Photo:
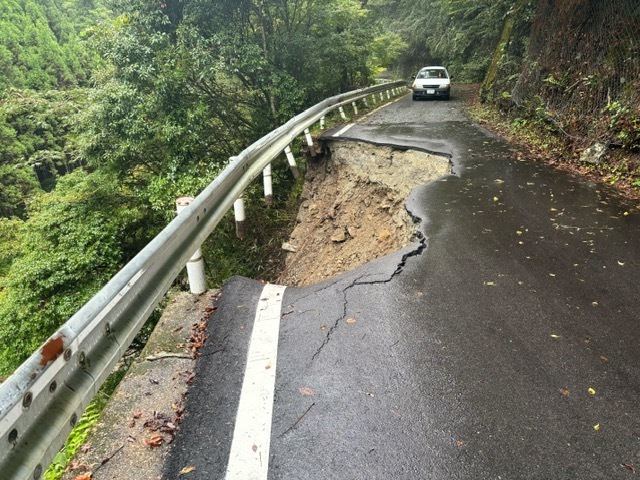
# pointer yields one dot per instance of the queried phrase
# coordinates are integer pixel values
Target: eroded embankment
(353, 208)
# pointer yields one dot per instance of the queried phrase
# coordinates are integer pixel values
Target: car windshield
(434, 73)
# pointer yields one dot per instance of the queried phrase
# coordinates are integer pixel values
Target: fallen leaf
(495, 199)
(603, 358)
(370, 394)
(154, 441)
(594, 304)
(553, 335)
(323, 327)
(596, 427)
(620, 263)
(518, 232)
(308, 391)
(254, 448)
(83, 476)
(186, 470)
(564, 392)
(137, 414)
(459, 443)
(592, 391)
(490, 284)
(351, 321)
(629, 466)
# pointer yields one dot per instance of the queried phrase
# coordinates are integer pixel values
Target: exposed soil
(353, 208)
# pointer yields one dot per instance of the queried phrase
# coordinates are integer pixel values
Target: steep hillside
(573, 71)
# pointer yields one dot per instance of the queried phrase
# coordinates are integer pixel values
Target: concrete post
(268, 185)
(195, 265)
(292, 161)
(322, 123)
(341, 110)
(373, 97)
(366, 104)
(241, 218)
(355, 108)
(381, 97)
(388, 96)
(307, 136)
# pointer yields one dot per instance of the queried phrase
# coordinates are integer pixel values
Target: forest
(111, 109)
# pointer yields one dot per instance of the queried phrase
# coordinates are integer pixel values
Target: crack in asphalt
(422, 245)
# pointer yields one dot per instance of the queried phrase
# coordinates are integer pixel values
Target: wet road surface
(504, 345)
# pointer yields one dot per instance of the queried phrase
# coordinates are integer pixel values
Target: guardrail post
(241, 218)
(341, 110)
(373, 97)
(366, 104)
(307, 136)
(268, 185)
(195, 265)
(388, 96)
(322, 123)
(355, 108)
(381, 97)
(292, 161)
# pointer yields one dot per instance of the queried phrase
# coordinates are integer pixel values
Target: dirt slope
(353, 208)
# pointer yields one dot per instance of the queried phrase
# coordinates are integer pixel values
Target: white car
(432, 82)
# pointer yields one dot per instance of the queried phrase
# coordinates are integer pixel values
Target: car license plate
(431, 92)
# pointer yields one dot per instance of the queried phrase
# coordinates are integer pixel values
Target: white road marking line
(343, 130)
(249, 456)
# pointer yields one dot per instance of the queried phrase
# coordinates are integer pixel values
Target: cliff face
(573, 64)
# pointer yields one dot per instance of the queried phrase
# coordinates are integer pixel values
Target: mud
(353, 209)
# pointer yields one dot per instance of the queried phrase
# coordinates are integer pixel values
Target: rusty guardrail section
(42, 401)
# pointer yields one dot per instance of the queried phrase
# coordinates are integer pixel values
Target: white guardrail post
(195, 265)
(293, 166)
(241, 217)
(44, 398)
(268, 185)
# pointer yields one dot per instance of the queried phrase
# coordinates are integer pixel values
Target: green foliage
(37, 133)
(40, 44)
(74, 240)
(17, 184)
(10, 244)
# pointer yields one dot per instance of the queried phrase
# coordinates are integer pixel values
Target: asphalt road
(505, 345)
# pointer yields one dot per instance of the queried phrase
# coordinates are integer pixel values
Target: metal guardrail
(42, 401)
